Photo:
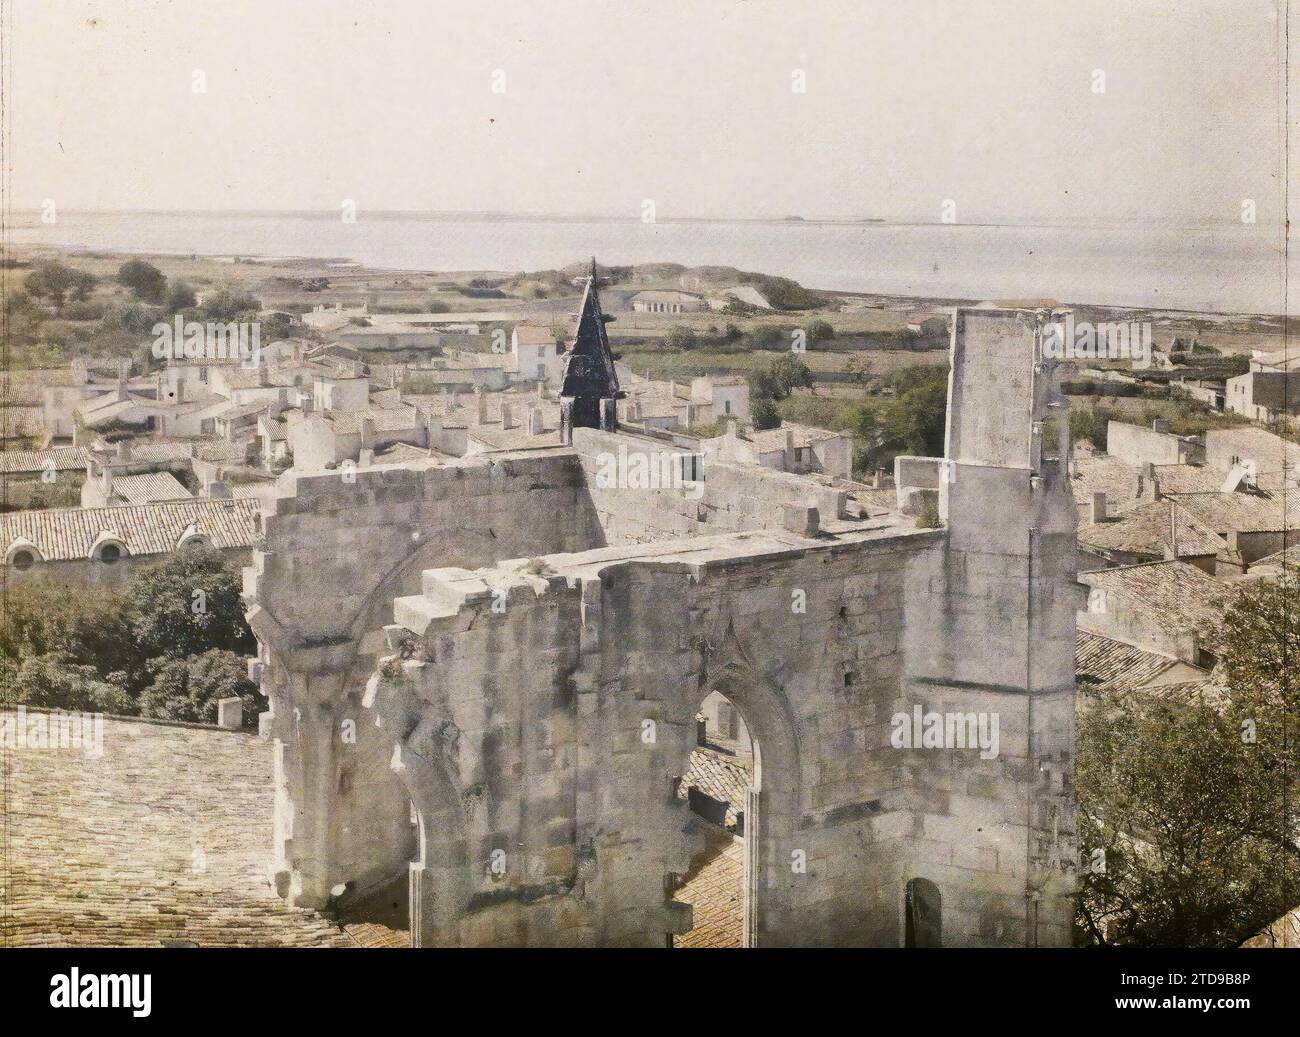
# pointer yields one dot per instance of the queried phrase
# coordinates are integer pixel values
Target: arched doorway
(720, 787)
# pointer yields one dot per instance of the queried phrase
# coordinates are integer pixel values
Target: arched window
(924, 915)
(23, 554)
(108, 548)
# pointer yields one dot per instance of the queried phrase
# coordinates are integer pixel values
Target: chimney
(507, 416)
(482, 405)
(535, 422)
(123, 450)
(789, 449)
(875, 479)
(541, 390)
(1097, 509)
(367, 432)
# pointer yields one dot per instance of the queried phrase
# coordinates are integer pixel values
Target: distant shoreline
(438, 216)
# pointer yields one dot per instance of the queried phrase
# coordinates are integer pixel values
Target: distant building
(928, 324)
(791, 448)
(102, 545)
(667, 302)
(1264, 395)
(1138, 445)
(538, 354)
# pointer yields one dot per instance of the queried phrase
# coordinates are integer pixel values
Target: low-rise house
(1137, 445)
(107, 490)
(667, 302)
(928, 325)
(1170, 608)
(538, 354)
(323, 440)
(1253, 525)
(791, 448)
(102, 545)
(1153, 531)
(41, 478)
(1270, 461)
(1210, 392)
(273, 441)
(668, 405)
(1103, 661)
(1268, 392)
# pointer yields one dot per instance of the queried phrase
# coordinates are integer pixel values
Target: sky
(584, 107)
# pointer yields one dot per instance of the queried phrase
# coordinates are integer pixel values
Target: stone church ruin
(485, 674)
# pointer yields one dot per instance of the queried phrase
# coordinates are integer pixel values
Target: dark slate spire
(589, 375)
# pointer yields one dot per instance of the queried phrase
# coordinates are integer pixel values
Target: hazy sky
(990, 103)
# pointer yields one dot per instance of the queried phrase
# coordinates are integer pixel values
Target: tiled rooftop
(149, 488)
(1101, 660)
(62, 534)
(163, 837)
(1178, 595)
(62, 459)
(1152, 528)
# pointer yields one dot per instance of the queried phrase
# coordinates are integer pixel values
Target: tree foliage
(189, 689)
(188, 603)
(1191, 799)
(143, 649)
(144, 279)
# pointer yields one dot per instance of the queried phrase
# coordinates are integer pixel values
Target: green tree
(189, 689)
(86, 625)
(58, 682)
(1192, 799)
(225, 305)
(144, 279)
(820, 331)
(764, 414)
(767, 337)
(53, 282)
(780, 378)
(180, 296)
(188, 603)
(913, 421)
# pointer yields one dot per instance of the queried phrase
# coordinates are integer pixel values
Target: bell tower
(590, 385)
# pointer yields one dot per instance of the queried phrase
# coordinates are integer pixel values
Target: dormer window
(108, 548)
(23, 554)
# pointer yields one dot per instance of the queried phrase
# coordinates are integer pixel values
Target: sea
(1228, 268)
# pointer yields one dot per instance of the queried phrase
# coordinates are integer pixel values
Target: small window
(726, 406)
(691, 467)
(110, 554)
(24, 560)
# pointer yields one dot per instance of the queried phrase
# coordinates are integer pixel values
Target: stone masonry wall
(335, 554)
